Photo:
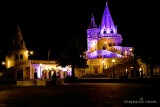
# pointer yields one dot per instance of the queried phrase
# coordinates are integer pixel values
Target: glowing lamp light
(3, 63)
(130, 49)
(31, 52)
(126, 71)
(113, 60)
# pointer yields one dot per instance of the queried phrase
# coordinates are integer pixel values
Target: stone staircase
(120, 69)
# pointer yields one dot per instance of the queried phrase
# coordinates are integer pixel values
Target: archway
(44, 74)
(27, 73)
(96, 69)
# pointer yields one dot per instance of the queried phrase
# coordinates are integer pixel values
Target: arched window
(110, 44)
(112, 31)
(21, 56)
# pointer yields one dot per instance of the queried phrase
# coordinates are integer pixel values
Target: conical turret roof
(18, 42)
(92, 23)
(107, 23)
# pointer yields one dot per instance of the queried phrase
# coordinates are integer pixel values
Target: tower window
(111, 31)
(21, 56)
(110, 44)
(104, 47)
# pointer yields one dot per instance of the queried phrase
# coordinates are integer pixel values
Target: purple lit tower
(104, 44)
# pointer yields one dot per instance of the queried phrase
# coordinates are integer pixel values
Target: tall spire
(19, 42)
(107, 23)
(19, 34)
(92, 23)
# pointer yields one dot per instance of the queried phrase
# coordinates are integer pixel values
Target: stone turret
(18, 52)
(92, 35)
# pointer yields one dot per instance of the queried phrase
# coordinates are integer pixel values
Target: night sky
(50, 25)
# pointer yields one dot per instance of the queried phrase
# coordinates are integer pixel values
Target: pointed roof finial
(19, 35)
(92, 23)
(106, 3)
(18, 28)
(19, 42)
(92, 15)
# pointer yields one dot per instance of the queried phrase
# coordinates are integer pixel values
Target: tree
(73, 55)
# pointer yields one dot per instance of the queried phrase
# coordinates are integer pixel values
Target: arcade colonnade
(43, 69)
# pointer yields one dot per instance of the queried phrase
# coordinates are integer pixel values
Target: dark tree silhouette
(73, 55)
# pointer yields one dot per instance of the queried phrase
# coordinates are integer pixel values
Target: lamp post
(113, 61)
(130, 50)
(31, 54)
(103, 64)
(30, 58)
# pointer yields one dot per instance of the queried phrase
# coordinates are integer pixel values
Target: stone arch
(96, 67)
(27, 72)
(44, 74)
(51, 72)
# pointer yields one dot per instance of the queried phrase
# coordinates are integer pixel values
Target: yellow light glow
(8, 64)
(130, 49)
(3, 63)
(113, 60)
(31, 52)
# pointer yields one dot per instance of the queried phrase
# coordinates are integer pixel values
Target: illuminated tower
(18, 52)
(92, 33)
(104, 42)
(104, 45)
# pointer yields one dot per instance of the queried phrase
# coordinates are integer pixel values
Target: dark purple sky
(49, 25)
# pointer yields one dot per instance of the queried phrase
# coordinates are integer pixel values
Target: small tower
(92, 35)
(18, 52)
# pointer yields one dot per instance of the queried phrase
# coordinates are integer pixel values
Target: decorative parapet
(110, 35)
(43, 62)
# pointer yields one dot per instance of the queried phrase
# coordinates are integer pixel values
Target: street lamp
(130, 50)
(3, 63)
(31, 52)
(113, 61)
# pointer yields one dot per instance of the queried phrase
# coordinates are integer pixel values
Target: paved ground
(81, 95)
